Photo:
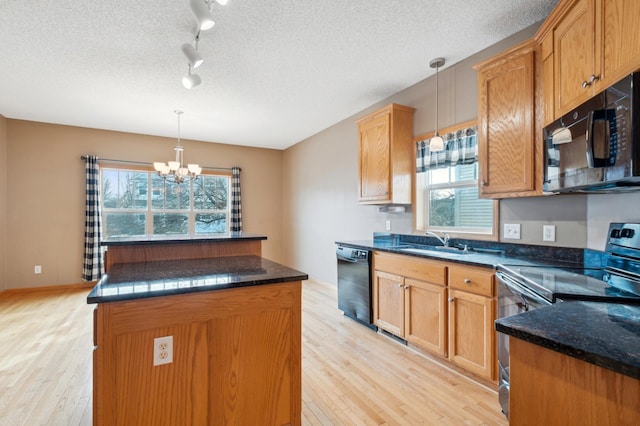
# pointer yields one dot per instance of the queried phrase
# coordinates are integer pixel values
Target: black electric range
(573, 283)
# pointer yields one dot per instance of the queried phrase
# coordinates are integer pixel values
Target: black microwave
(596, 146)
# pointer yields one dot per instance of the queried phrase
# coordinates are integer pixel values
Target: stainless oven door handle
(517, 288)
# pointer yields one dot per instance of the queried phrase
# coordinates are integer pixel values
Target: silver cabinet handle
(588, 83)
(451, 299)
(483, 183)
(467, 281)
(400, 285)
(406, 287)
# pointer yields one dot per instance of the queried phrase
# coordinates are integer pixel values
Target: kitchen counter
(480, 253)
(604, 334)
(595, 331)
(129, 281)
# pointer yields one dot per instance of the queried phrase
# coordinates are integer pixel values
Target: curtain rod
(84, 157)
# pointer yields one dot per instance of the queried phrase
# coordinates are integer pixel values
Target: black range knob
(626, 233)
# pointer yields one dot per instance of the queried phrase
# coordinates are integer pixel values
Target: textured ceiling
(275, 72)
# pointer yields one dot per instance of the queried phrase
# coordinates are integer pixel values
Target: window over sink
(139, 202)
(447, 187)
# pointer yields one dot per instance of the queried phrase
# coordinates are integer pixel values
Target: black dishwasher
(354, 284)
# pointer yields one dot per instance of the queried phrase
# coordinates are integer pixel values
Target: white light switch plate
(549, 233)
(512, 231)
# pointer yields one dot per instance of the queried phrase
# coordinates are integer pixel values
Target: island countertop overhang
(140, 280)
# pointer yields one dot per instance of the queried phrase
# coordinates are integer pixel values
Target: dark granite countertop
(127, 281)
(604, 334)
(480, 253)
(597, 331)
(173, 239)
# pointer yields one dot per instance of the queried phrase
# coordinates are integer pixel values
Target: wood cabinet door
(426, 315)
(506, 135)
(620, 39)
(374, 159)
(576, 59)
(388, 302)
(471, 334)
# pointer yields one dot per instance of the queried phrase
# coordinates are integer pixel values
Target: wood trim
(554, 17)
(13, 291)
(384, 111)
(507, 55)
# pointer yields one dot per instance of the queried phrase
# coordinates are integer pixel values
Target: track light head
(190, 81)
(201, 11)
(193, 57)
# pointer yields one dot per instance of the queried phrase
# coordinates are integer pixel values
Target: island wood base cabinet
(550, 388)
(236, 358)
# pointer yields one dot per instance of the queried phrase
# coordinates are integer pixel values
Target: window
(193, 207)
(447, 187)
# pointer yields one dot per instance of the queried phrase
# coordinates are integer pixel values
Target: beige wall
(45, 192)
(3, 202)
(320, 182)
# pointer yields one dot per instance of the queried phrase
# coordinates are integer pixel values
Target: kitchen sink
(429, 250)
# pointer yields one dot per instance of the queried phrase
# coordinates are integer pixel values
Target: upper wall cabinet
(508, 154)
(587, 45)
(385, 156)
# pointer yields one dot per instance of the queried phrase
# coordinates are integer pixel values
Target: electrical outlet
(163, 350)
(388, 225)
(512, 231)
(549, 233)
(37, 269)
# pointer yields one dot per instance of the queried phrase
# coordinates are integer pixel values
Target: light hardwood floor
(351, 375)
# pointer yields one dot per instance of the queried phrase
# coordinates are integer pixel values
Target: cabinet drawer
(411, 267)
(472, 279)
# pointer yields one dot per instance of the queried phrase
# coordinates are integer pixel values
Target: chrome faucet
(444, 240)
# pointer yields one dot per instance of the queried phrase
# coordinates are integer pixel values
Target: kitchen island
(229, 325)
(575, 363)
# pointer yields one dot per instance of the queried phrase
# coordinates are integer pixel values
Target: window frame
(149, 211)
(421, 187)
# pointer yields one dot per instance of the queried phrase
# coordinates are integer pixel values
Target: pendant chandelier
(174, 171)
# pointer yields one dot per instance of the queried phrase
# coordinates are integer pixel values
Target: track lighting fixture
(202, 11)
(436, 144)
(190, 81)
(191, 53)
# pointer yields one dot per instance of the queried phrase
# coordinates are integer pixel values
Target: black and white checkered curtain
(460, 147)
(93, 267)
(236, 205)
